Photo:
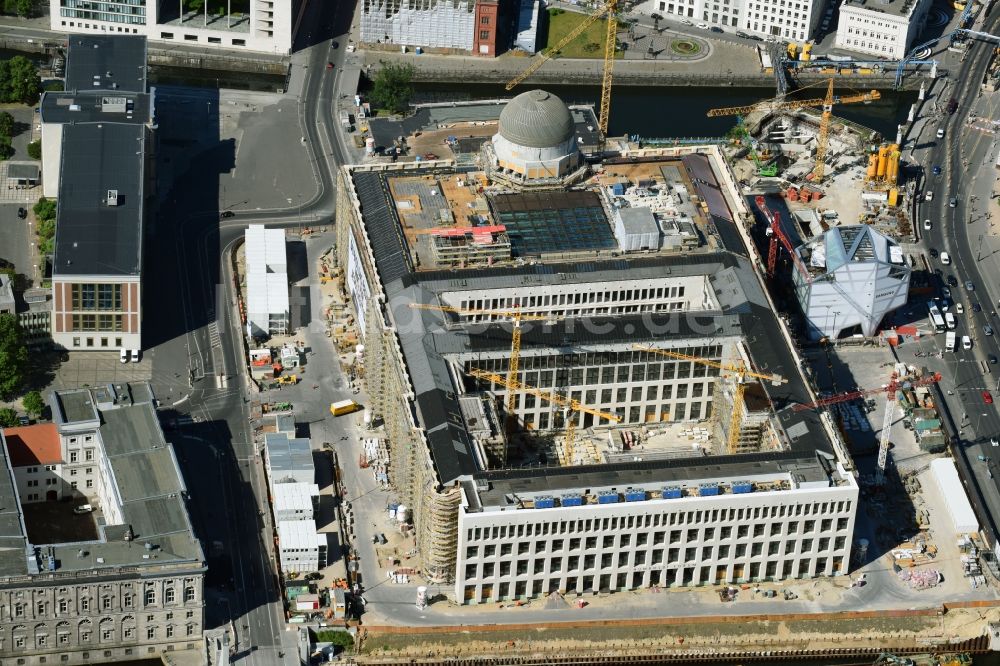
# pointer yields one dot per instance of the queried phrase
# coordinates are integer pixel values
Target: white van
(966, 342)
(945, 259)
(940, 133)
(123, 356)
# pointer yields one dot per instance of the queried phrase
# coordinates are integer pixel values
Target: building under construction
(576, 410)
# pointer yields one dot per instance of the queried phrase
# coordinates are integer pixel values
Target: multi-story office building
(883, 28)
(267, 26)
(792, 20)
(635, 335)
(120, 582)
(97, 143)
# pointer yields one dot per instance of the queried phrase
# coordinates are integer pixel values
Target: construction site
(602, 366)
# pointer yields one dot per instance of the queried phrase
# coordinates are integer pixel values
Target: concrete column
(923, 92)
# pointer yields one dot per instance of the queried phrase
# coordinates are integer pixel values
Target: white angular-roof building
(855, 277)
(267, 282)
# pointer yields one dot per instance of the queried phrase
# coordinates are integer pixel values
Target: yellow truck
(342, 407)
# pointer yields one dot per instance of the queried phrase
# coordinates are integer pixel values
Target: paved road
(956, 230)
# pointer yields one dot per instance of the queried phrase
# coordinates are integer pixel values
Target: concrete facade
(886, 30)
(784, 529)
(793, 20)
(266, 28)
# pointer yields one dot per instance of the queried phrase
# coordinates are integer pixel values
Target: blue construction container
(545, 502)
(742, 487)
(618, 189)
(708, 489)
(572, 500)
(672, 493)
(633, 495)
(607, 498)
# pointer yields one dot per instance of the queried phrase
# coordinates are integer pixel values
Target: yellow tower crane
(611, 36)
(515, 316)
(741, 371)
(825, 102)
(572, 405)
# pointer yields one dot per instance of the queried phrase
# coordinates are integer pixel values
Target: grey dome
(536, 119)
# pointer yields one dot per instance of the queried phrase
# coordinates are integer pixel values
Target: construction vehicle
(554, 398)
(342, 407)
(766, 168)
(894, 385)
(741, 372)
(288, 379)
(826, 103)
(514, 316)
(610, 9)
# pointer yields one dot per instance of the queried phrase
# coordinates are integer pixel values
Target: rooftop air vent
(112, 197)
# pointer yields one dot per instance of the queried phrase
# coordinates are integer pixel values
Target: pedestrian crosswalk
(213, 334)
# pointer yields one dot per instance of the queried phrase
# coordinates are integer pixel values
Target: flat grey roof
(13, 539)
(22, 170)
(894, 7)
(106, 62)
(73, 406)
(150, 484)
(94, 107)
(286, 453)
(93, 235)
(676, 471)
(428, 340)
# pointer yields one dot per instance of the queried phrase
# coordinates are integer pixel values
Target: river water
(659, 112)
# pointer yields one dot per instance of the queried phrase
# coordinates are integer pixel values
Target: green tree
(392, 89)
(24, 8)
(6, 124)
(8, 417)
(339, 638)
(13, 356)
(19, 81)
(33, 403)
(45, 209)
(35, 149)
(195, 5)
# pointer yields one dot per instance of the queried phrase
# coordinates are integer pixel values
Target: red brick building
(487, 22)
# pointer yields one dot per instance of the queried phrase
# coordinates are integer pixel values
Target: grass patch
(684, 47)
(588, 44)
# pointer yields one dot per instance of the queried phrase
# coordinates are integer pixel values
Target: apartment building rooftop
(101, 200)
(106, 62)
(901, 8)
(155, 530)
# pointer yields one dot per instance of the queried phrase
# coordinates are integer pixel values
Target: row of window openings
(667, 411)
(621, 366)
(104, 342)
(107, 602)
(658, 538)
(576, 298)
(638, 557)
(623, 395)
(107, 635)
(871, 46)
(98, 322)
(668, 577)
(667, 519)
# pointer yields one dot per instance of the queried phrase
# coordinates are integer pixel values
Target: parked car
(22, 213)
(927, 224)
(987, 329)
(226, 214)
(940, 133)
(684, 21)
(945, 259)
(936, 170)
(134, 356)
(952, 202)
(946, 291)
(987, 398)
(334, 45)
(716, 28)
(703, 26)
(929, 196)
(976, 307)
(952, 108)
(992, 359)
(952, 281)
(83, 508)
(969, 286)
(959, 308)
(123, 356)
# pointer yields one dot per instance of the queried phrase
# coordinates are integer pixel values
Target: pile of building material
(376, 456)
(914, 553)
(921, 579)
